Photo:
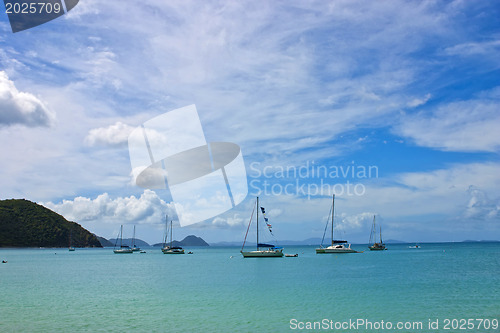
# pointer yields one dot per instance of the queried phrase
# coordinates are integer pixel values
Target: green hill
(26, 224)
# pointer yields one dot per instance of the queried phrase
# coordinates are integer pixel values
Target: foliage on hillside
(26, 224)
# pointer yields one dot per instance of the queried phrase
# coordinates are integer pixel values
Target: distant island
(190, 240)
(26, 224)
(104, 242)
(126, 241)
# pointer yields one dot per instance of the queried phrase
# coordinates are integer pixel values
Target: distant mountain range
(190, 240)
(394, 241)
(26, 224)
(317, 241)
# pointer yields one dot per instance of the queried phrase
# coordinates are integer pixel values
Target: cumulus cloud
(114, 135)
(17, 107)
(355, 221)
(148, 208)
(234, 221)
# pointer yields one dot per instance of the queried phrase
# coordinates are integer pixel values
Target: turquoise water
(94, 290)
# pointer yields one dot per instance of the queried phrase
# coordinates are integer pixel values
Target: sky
(393, 106)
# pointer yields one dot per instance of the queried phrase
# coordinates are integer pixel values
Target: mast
(121, 235)
(166, 231)
(133, 238)
(333, 213)
(170, 233)
(380, 234)
(373, 234)
(257, 223)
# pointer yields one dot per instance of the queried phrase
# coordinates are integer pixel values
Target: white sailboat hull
(336, 249)
(123, 251)
(338, 246)
(262, 254)
(172, 251)
(123, 248)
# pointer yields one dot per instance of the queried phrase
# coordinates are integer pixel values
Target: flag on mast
(269, 226)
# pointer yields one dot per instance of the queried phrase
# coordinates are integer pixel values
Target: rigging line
(251, 217)
(326, 226)
(166, 231)
(116, 241)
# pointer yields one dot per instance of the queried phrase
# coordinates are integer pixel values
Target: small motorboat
(291, 255)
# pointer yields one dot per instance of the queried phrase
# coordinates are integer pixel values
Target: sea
(440, 287)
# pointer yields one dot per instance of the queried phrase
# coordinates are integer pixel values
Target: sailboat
(123, 248)
(263, 250)
(134, 247)
(338, 246)
(169, 249)
(376, 246)
(70, 248)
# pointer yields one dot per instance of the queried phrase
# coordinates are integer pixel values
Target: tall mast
(133, 238)
(333, 213)
(380, 234)
(258, 223)
(171, 234)
(121, 235)
(166, 231)
(373, 234)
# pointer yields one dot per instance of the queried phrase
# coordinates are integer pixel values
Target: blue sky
(412, 88)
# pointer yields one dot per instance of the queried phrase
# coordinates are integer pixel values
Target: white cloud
(234, 221)
(88, 7)
(481, 207)
(419, 101)
(358, 221)
(443, 192)
(148, 208)
(113, 135)
(487, 48)
(286, 90)
(458, 126)
(17, 107)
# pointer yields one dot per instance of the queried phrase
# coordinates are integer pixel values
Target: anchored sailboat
(338, 246)
(123, 248)
(376, 246)
(169, 249)
(263, 250)
(134, 247)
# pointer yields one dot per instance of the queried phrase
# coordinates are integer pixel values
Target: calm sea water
(216, 290)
